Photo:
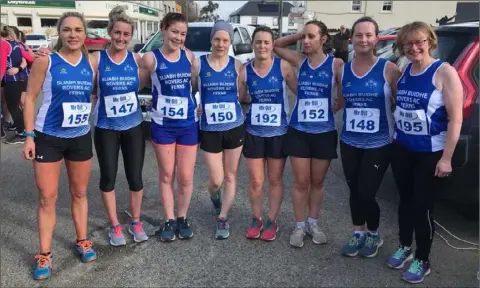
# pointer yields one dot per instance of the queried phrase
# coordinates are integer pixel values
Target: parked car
(95, 42)
(36, 41)
(198, 41)
(458, 44)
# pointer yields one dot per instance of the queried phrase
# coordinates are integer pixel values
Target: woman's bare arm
(35, 82)
(289, 76)
(279, 47)
(143, 71)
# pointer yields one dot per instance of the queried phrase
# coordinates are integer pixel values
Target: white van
(198, 41)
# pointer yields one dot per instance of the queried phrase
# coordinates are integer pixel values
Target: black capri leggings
(13, 93)
(108, 144)
(364, 170)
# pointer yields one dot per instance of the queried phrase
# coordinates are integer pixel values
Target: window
(290, 21)
(45, 22)
(254, 20)
(236, 38)
(387, 6)
(24, 21)
(356, 5)
(245, 35)
(35, 37)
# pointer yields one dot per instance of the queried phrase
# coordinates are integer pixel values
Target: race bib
(172, 107)
(313, 110)
(76, 114)
(362, 120)
(220, 113)
(121, 105)
(266, 114)
(413, 122)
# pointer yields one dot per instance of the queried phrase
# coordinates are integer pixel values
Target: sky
(225, 8)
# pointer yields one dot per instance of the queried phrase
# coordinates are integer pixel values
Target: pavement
(204, 261)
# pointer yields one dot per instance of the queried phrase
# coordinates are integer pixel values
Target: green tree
(207, 13)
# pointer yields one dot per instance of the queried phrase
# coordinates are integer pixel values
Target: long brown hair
(64, 16)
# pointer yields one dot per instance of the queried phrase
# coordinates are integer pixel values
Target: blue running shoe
(223, 229)
(417, 271)
(167, 233)
(372, 243)
(85, 249)
(400, 257)
(185, 231)
(354, 245)
(43, 267)
(217, 202)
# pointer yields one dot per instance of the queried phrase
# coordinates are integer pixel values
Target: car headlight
(44, 45)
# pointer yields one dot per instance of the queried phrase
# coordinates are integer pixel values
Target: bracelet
(29, 134)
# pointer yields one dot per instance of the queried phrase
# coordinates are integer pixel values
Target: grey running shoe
(318, 237)
(223, 229)
(296, 238)
(116, 236)
(136, 230)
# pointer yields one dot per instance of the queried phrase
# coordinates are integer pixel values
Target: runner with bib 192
(266, 124)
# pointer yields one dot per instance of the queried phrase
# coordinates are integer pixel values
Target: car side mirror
(137, 47)
(243, 49)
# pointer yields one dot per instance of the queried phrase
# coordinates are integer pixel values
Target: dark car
(459, 46)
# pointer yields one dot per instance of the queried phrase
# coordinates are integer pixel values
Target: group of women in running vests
(15, 61)
(408, 118)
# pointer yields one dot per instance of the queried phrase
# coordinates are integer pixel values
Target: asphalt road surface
(204, 261)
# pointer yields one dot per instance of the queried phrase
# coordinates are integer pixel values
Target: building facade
(41, 16)
(387, 13)
(264, 13)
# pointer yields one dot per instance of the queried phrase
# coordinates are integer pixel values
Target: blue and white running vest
(367, 117)
(269, 109)
(219, 96)
(312, 112)
(66, 106)
(421, 118)
(117, 107)
(14, 59)
(173, 102)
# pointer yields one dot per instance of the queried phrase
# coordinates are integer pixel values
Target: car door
(247, 39)
(93, 42)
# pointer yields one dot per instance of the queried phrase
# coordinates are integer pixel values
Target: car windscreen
(198, 39)
(450, 45)
(35, 37)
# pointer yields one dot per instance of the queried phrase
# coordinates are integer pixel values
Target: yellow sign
(178, 8)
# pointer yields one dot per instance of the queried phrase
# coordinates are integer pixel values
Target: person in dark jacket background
(340, 44)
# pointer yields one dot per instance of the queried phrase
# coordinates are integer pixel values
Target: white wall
(268, 21)
(92, 10)
(336, 13)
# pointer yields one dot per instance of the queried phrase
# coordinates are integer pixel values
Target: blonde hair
(64, 16)
(118, 14)
(9, 32)
(413, 28)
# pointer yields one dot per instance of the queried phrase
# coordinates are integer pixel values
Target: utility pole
(280, 17)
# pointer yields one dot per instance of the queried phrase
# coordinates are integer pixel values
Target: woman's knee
(48, 198)
(275, 179)
(166, 177)
(317, 182)
(302, 184)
